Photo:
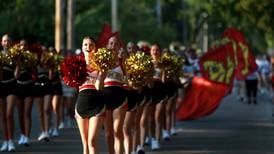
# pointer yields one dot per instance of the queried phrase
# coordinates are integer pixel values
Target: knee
(92, 142)
(118, 133)
(143, 122)
(126, 130)
(46, 111)
(108, 134)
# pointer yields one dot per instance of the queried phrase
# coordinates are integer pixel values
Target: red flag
(201, 99)
(243, 56)
(218, 64)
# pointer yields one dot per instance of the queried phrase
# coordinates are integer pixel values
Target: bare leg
(144, 123)
(95, 125)
(27, 115)
(118, 116)
(128, 126)
(40, 108)
(46, 112)
(83, 125)
(56, 100)
(108, 126)
(158, 120)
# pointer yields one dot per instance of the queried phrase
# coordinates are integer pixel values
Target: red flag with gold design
(218, 64)
(243, 56)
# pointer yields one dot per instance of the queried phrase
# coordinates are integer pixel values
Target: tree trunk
(114, 15)
(58, 25)
(70, 27)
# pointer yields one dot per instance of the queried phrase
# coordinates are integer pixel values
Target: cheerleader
(142, 118)
(25, 87)
(171, 83)
(133, 114)
(57, 93)
(115, 97)
(89, 105)
(131, 108)
(7, 98)
(43, 96)
(158, 99)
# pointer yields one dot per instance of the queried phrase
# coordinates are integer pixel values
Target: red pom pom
(74, 70)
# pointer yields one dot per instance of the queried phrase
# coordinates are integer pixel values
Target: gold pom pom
(28, 60)
(13, 55)
(171, 64)
(139, 68)
(47, 59)
(103, 60)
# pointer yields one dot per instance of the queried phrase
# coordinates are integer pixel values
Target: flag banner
(243, 56)
(218, 64)
(201, 99)
(232, 59)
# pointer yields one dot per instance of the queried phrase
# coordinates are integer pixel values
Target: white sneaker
(43, 136)
(173, 131)
(147, 141)
(51, 130)
(4, 146)
(21, 139)
(26, 142)
(55, 133)
(166, 135)
(140, 150)
(11, 147)
(61, 125)
(155, 145)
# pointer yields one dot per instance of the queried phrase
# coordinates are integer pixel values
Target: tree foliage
(34, 20)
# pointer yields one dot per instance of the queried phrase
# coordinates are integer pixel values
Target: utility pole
(205, 33)
(159, 13)
(58, 25)
(114, 15)
(70, 26)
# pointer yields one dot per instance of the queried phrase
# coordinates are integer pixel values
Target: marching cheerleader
(158, 98)
(133, 114)
(57, 93)
(90, 105)
(25, 86)
(115, 97)
(43, 96)
(143, 113)
(129, 122)
(7, 98)
(171, 83)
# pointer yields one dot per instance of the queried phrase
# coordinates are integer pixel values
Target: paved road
(235, 128)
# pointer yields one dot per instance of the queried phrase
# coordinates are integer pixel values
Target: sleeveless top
(90, 80)
(8, 73)
(157, 74)
(42, 76)
(115, 77)
(25, 77)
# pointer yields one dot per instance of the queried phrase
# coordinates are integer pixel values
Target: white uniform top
(115, 77)
(90, 81)
(157, 74)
